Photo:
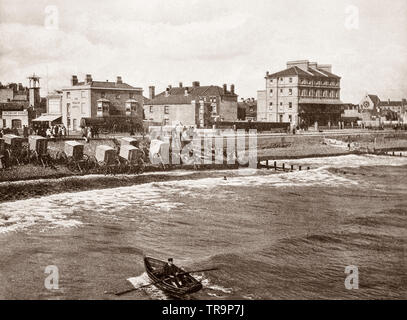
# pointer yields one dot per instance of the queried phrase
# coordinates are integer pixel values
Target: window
(103, 95)
(68, 108)
(271, 80)
(281, 104)
(290, 105)
(281, 79)
(271, 92)
(68, 122)
(16, 124)
(281, 118)
(311, 93)
(151, 109)
(290, 92)
(83, 94)
(68, 95)
(291, 80)
(131, 95)
(290, 118)
(83, 109)
(4, 123)
(271, 106)
(281, 90)
(118, 96)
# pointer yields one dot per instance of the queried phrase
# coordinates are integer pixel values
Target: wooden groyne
(273, 165)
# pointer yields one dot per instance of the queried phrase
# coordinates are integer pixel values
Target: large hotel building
(304, 93)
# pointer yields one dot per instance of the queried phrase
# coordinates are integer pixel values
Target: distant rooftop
(305, 69)
(184, 95)
(88, 81)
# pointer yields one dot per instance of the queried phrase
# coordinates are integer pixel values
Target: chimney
(88, 78)
(302, 64)
(167, 92)
(313, 65)
(232, 88)
(325, 67)
(180, 84)
(151, 92)
(169, 86)
(224, 88)
(119, 80)
(267, 74)
(195, 84)
(74, 80)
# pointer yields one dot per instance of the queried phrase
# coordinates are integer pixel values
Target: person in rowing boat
(171, 271)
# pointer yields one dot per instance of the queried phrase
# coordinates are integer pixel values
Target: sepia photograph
(210, 150)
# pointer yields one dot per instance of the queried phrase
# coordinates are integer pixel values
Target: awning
(47, 117)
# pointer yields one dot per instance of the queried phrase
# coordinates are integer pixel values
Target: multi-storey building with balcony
(93, 99)
(304, 93)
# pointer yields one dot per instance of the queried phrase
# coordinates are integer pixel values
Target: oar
(155, 282)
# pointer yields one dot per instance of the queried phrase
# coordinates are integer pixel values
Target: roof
(390, 103)
(177, 95)
(113, 85)
(13, 106)
(375, 99)
(48, 117)
(103, 85)
(311, 72)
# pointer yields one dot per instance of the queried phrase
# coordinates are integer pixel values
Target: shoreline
(59, 183)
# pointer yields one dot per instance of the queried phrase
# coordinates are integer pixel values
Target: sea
(272, 235)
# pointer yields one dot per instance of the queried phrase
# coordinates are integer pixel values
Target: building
(53, 114)
(201, 106)
(371, 108)
(247, 109)
(19, 105)
(304, 93)
(398, 107)
(96, 99)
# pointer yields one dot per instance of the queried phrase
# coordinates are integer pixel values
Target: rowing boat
(154, 269)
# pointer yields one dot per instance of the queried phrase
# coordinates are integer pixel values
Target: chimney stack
(195, 84)
(88, 78)
(119, 80)
(224, 88)
(232, 88)
(74, 80)
(151, 92)
(167, 92)
(180, 84)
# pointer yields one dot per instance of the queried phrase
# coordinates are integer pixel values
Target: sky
(162, 42)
